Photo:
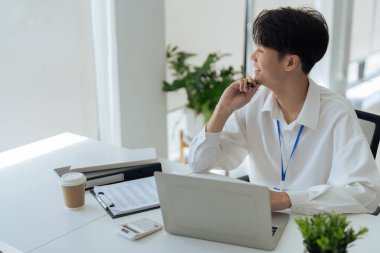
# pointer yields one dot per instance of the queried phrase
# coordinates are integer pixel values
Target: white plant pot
(194, 122)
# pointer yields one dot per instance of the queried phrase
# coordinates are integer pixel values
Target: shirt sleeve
(226, 149)
(353, 185)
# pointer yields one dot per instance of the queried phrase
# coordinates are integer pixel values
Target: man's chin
(258, 80)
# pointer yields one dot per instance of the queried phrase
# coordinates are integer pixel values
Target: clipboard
(136, 195)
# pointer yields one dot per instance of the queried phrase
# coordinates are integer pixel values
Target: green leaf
(204, 84)
(327, 232)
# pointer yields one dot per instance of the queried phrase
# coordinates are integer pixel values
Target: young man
(304, 142)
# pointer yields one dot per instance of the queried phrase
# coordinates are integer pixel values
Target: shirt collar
(271, 105)
(310, 110)
(309, 114)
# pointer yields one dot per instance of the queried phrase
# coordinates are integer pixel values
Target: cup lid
(73, 178)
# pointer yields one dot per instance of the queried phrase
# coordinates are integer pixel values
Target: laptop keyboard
(274, 229)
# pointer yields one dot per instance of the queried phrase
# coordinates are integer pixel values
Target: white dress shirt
(332, 168)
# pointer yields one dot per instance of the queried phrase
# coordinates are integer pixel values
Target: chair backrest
(370, 124)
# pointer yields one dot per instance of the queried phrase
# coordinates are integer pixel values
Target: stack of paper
(106, 164)
(112, 159)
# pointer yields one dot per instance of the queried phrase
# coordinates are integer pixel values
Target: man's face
(268, 68)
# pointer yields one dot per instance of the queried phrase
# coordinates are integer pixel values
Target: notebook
(233, 212)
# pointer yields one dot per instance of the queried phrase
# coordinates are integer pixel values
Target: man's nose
(253, 56)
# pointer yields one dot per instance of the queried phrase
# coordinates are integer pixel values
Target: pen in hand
(251, 85)
(247, 84)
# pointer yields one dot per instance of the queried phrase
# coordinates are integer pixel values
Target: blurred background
(96, 67)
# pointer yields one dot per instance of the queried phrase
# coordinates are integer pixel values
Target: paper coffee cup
(73, 186)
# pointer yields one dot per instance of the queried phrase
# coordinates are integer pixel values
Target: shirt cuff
(203, 143)
(299, 200)
(212, 138)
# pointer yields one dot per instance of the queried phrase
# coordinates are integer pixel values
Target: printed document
(129, 196)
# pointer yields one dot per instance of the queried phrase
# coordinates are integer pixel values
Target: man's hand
(238, 94)
(279, 201)
(234, 97)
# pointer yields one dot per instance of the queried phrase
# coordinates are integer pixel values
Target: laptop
(211, 208)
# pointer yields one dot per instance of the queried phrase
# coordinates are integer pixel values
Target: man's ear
(292, 62)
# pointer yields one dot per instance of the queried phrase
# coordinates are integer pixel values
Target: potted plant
(204, 84)
(327, 233)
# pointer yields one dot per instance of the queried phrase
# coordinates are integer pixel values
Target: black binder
(116, 175)
(128, 173)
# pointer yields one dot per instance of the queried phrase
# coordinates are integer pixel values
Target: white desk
(33, 217)
(101, 236)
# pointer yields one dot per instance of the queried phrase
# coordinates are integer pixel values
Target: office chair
(370, 124)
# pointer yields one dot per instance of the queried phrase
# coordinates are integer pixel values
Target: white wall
(260, 5)
(362, 29)
(46, 70)
(375, 46)
(140, 33)
(203, 27)
(106, 69)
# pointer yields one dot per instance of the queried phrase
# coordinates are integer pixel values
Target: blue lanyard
(283, 171)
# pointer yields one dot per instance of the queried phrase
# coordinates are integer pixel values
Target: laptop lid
(218, 210)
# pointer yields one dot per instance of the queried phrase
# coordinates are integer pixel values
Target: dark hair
(301, 31)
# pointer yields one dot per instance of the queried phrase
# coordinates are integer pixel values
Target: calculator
(136, 229)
